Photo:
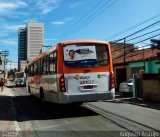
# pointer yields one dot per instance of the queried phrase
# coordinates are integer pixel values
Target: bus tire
(42, 98)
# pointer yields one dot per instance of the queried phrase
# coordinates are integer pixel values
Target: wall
(151, 90)
(150, 66)
(118, 49)
(137, 68)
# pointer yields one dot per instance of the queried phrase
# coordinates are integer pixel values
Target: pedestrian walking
(1, 84)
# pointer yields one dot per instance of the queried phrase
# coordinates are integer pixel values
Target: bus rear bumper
(84, 97)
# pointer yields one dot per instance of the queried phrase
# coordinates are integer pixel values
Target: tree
(155, 42)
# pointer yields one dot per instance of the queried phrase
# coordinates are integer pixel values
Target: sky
(75, 19)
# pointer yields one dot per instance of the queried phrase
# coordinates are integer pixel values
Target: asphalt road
(28, 117)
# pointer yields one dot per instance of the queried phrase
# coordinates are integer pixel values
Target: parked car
(126, 87)
(19, 82)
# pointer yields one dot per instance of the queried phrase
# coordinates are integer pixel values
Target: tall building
(35, 39)
(1, 62)
(30, 41)
(2, 67)
(22, 47)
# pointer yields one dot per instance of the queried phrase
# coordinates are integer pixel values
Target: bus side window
(55, 62)
(32, 70)
(28, 71)
(102, 55)
(35, 68)
(39, 67)
(47, 63)
(44, 65)
(52, 63)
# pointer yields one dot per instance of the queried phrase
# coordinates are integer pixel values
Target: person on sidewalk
(1, 84)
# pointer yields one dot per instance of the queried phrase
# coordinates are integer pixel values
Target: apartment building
(30, 42)
(22, 47)
(35, 39)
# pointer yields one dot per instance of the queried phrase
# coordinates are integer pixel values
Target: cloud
(9, 42)
(47, 6)
(58, 23)
(13, 27)
(3, 34)
(75, 5)
(7, 8)
(8, 28)
(24, 8)
(69, 19)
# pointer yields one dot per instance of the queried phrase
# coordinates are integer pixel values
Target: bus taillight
(62, 84)
(112, 80)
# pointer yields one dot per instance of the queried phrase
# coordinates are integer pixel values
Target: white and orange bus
(72, 71)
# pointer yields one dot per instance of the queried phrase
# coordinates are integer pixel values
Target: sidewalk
(138, 102)
(7, 92)
(7, 111)
(127, 108)
(143, 103)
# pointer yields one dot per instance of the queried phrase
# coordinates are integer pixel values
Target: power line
(146, 39)
(141, 30)
(137, 42)
(155, 23)
(115, 42)
(5, 53)
(132, 51)
(132, 27)
(96, 14)
(92, 17)
(143, 35)
(83, 17)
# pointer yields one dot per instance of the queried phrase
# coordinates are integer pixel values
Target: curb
(143, 105)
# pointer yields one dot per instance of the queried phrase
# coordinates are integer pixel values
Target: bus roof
(83, 41)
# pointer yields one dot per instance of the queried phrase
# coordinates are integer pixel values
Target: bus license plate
(88, 87)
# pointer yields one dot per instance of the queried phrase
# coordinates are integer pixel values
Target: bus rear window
(86, 55)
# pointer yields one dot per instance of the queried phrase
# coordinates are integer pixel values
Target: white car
(127, 86)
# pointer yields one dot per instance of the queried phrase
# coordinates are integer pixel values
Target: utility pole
(5, 53)
(10, 62)
(46, 46)
(124, 50)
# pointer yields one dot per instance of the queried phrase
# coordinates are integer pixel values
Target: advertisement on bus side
(75, 55)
